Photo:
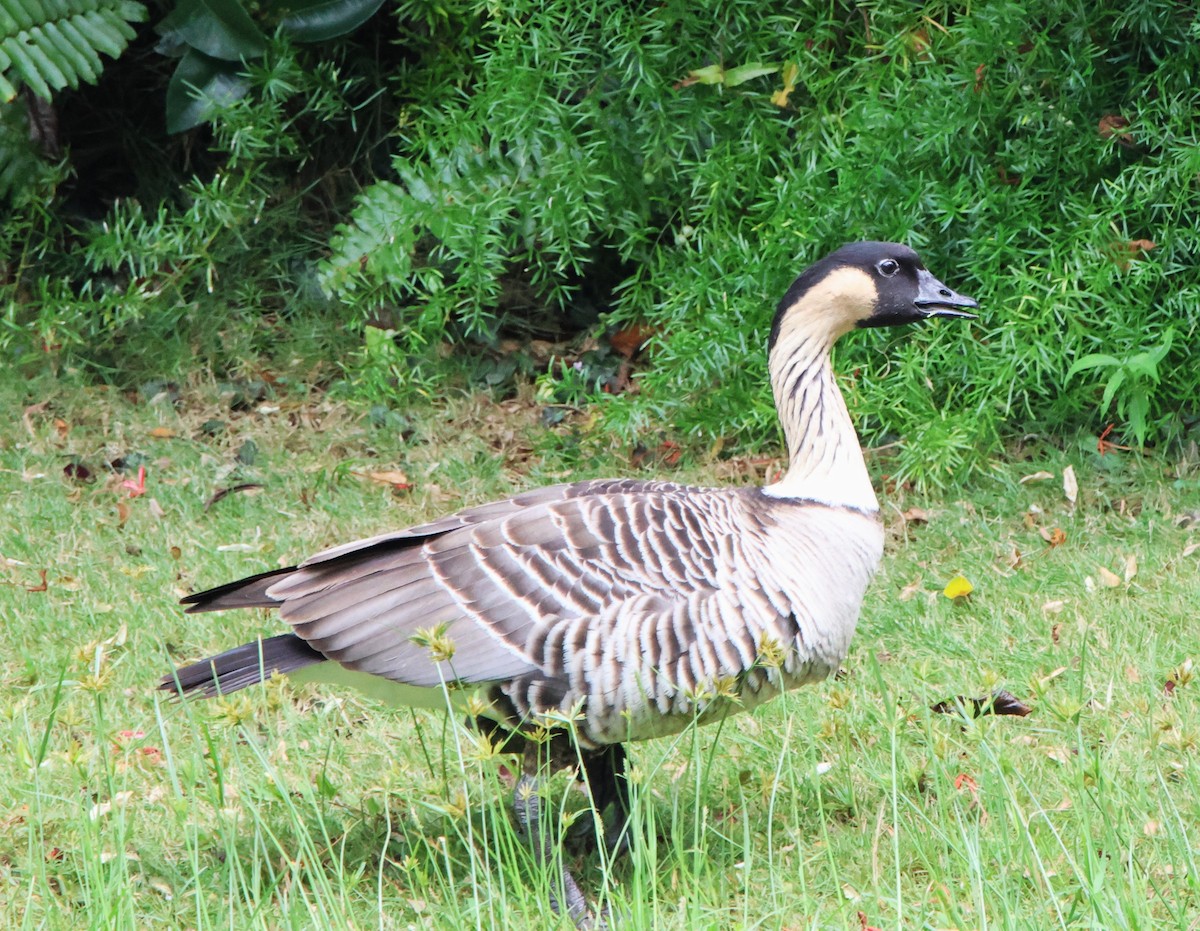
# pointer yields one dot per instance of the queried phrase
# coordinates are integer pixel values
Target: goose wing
(493, 583)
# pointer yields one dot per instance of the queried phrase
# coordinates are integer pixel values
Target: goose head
(864, 284)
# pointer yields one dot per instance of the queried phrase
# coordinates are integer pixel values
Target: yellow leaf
(958, 587)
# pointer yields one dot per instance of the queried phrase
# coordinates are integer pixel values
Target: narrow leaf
(743, 73)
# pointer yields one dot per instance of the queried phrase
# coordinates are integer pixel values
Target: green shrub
(1028, 152)
(673, 165)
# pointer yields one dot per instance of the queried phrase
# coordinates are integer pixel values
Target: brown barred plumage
(636, 607)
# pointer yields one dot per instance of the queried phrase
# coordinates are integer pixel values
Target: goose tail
(241, 667)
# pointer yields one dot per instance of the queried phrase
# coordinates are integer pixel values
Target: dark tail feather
(246, 665)
(249, 592)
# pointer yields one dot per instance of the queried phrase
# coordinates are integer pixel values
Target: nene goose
(634, 607)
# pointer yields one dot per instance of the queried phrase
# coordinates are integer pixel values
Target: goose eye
(888, 267)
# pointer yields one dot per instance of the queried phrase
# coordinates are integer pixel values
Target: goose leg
(527, 806)
(604, 771)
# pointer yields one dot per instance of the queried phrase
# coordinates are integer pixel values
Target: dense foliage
(468, 168)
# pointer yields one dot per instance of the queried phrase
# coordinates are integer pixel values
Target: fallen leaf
(162, 433)
(136, 488)
(628, 342)
(394, 477)
(78, 472)
(156, 510)
(1055, 537)
(1054, 607)
(1035, 477)
(910, 590)
(999, 702)
(1070, 485)
(1108, 579)
(1050, 677)
(1113, 124)
(61, 427)
(122, 513)
(1191, 548)
(248, 488)
(1131, 568)
(1060, 755)
(41, 586)
(176, 552)
(1054, 631)
(958, 587)
(916, 516)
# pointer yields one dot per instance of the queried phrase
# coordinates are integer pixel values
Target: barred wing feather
(506, 580)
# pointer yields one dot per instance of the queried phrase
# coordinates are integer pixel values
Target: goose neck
(825, 460)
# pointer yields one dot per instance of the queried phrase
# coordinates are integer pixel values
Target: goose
(600, 612)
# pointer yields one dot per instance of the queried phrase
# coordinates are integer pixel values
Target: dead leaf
(1108, 579)
(629, 341)
(910, 590)
(916, 516)
(248, 488)
(78, 472)
(122, 513)
(394, 477)
(156, 510)
(1011, 559)
(1054, 631)
(1054, 607)
(61, 427)
(162, 433)
(1055, 537)
(1035, 477)
(999, 703)
(1114, 125)
(1131, 567)
(40, 587)
(1070, 485)
(176, 552)
(1191, 548)
(1132, 675)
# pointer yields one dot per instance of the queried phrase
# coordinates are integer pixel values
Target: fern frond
(48, 45)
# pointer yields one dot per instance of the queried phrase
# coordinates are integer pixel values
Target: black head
(867, 284)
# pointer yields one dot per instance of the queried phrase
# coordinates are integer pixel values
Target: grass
(846, 805)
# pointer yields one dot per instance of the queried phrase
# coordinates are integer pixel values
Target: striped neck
(825, 461)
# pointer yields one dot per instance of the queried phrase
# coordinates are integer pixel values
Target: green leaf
(1139, 407)
(218, 28)
(1114, 383)
(713, 74)
(743, 73)
(199, 87)
(319, 20)
(1093, 360)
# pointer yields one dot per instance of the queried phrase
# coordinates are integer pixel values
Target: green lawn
(846, 805)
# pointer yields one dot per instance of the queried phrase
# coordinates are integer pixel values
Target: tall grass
(296, 808)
